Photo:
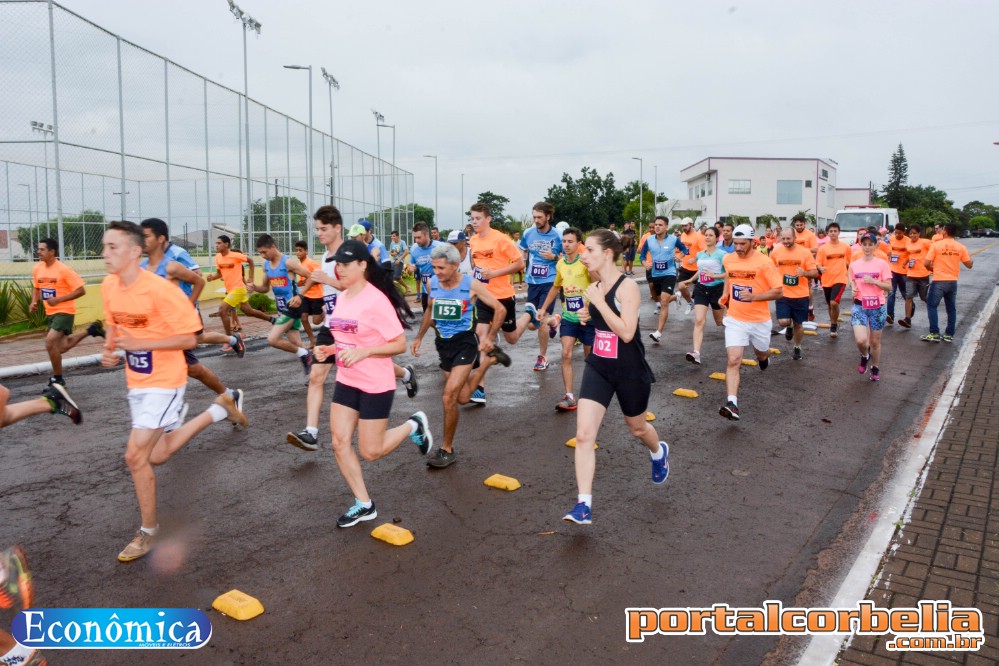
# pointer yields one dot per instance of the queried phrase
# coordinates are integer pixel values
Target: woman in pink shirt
(870, 277)
(367, 325)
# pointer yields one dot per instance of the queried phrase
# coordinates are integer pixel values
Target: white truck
(853, 218)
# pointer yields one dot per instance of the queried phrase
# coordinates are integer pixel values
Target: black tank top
(612, 357)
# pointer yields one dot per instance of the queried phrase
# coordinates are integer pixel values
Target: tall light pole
(46, 130)
(394, 175)
(249, 23)
(308, 170)
(640, 188)
(29, 218)
(462, 218)
(379, 119)
(655, 192)
(333, 85)
(436, 209)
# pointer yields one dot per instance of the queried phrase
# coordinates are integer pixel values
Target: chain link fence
(95, 128)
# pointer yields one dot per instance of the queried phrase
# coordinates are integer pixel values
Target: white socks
(217, 412)
(586, 499)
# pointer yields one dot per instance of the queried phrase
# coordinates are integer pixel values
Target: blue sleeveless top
(281, 283)
(181, 256)
(451, 308)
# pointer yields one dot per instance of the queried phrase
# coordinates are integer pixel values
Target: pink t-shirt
(365, 320)
(877, 269)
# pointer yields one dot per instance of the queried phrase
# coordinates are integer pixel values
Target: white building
(753, 186)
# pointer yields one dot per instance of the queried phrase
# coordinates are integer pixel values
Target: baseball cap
(356, 230)
(743, 231)
(686, 221)
(869, 237)
(456, 237)
(351, 250)
(364, 223)
(562, 226)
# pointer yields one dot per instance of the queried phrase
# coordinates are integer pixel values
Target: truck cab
(854, 218)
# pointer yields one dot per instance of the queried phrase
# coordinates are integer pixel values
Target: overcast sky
(513, 94)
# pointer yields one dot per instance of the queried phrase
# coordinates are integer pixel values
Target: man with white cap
(460, 242)
(751, 279)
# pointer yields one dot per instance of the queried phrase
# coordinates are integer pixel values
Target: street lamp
(308, 170)
(333, 85)
(394, 175)
(249, 23)
(640, 188)
(46, 130)
(379, 119)
(436, 209)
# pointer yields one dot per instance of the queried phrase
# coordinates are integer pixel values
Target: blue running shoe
(660, 468)
(422, 437)
(533, 312)
(356, 514)
(580, 514)
(478, 396)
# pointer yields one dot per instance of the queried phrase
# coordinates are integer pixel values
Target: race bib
(48, 293)
(425, 282)
(282, 305)
(660, 265)
(870, 302)
(605, 344)
(539, 270)
(329, 302)
(791, 280)
(912, 263)
(894, 259)
(704, 278)
(477, 274)
(573, 303)
(340, 346)
(140, 361)
(738, 290)
(447, 309)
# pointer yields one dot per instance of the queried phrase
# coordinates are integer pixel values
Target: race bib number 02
(605, 344)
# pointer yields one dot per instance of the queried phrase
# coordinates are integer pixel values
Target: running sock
(232, 394)
(413, 425)
(366, 505)
(586, 499)
(570, 396)
(217, 412)
(661, 453)
(302, 351)
(312, 431)
(233, 340)
(406, 375)
(734, 400)
(58, 378)
(150, 531)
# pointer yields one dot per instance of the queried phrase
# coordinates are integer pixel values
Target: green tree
(630, 211)
(497, 206)
(83, 235)
(589, 202)
(423, 214)
(287, 214)
(982, 222)
(768, 221)
(898, 177)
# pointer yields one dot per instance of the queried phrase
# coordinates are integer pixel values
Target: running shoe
(890, 319)
(303, 440)
(272, 319)
(694, 357)
(659, 307)
(660, 468)
(875, 373)
(478, 396)
(238, 399)
(862, 367)
(356, 514)
(501, 357)
(533, 312)
(231, 413)
(226, 348)
(730, 411)
(947, 338)
(689, 308)
(307, 362)
(61, 403)
(764, 364)
(240, 346)
(423, 438)
(580, 514)
(931, 337)
(811, 315)
(17, 591)
(96, 330)
(54, 380)
(833, 330)
(553, 325)
(541, 364)
(442, 459)
(656, 336)
(566, 404)
(789, 333)
(796, 356)
(905, 323)
(140, 545)
(412, 386)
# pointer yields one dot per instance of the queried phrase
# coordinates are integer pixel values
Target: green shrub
(8, 301)
(24, 295)
(262, 302)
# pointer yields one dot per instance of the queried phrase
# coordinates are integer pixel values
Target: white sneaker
(689, 309)
(656, 336)
(658, 307)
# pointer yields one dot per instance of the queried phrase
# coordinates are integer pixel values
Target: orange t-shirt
(835, 259)
(917, 254)
(695, 243)
(494, 252)
(55, 281)
(641, 243)
(878, 252)
(807, 239)
(936, 237)
(316, 290)
(231, 268)
(757, 274)
(150, 309)
(899, 256)
(947, 256)
(788, 262)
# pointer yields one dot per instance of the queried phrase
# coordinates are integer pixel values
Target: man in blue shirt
(542, 247)
(419, 259)
(727, 243)
(662, 277)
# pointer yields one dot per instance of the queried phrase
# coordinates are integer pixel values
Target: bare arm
(625, 324)
(178, 271)
(71, 296)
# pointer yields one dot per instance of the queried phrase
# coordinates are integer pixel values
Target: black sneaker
(764, 364)
(905, 323)
(730, 411)
(423, 439)
(96, 330)
(833, 330)
(501, 357)
(356, 514)
(789, 333)
(238, 398)
(890, 319)
(412, 387)
(303, 440)
(442, 459)
(796, 356)
(56, 380)
(307, 362)
(62, 403)
(240, 346)
(272, 319)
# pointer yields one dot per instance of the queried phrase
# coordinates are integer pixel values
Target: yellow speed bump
(749, 361)
(809, 333)
(717, 375)
(685, 393)
(775, 351)
(823, 325)
(649, 416)
(502, 482)
(393, 534)
(238, 605)
(572, 444)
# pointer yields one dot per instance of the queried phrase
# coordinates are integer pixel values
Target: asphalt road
(767, 508)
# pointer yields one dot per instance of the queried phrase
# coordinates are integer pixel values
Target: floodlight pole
(436, 209)
(640, 187)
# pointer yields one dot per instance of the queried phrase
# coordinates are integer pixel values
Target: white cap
(743, 231)
(562, 226)
(687, 220)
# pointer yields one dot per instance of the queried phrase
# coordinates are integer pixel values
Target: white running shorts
(154, 408)
(743, 333)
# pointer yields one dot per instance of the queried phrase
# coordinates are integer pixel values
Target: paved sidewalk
(950, 547)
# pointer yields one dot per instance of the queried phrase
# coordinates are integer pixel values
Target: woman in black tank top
(615, 366)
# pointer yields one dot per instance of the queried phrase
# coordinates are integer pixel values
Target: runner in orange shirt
(751, 280)
(944, 259)
(229, 267)
(153, 323)
(832, 260)
(898, 258)
(58, 286)
(917, 279)
(310, 301)
(796, 266)
(937, 235)
(686, 267)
